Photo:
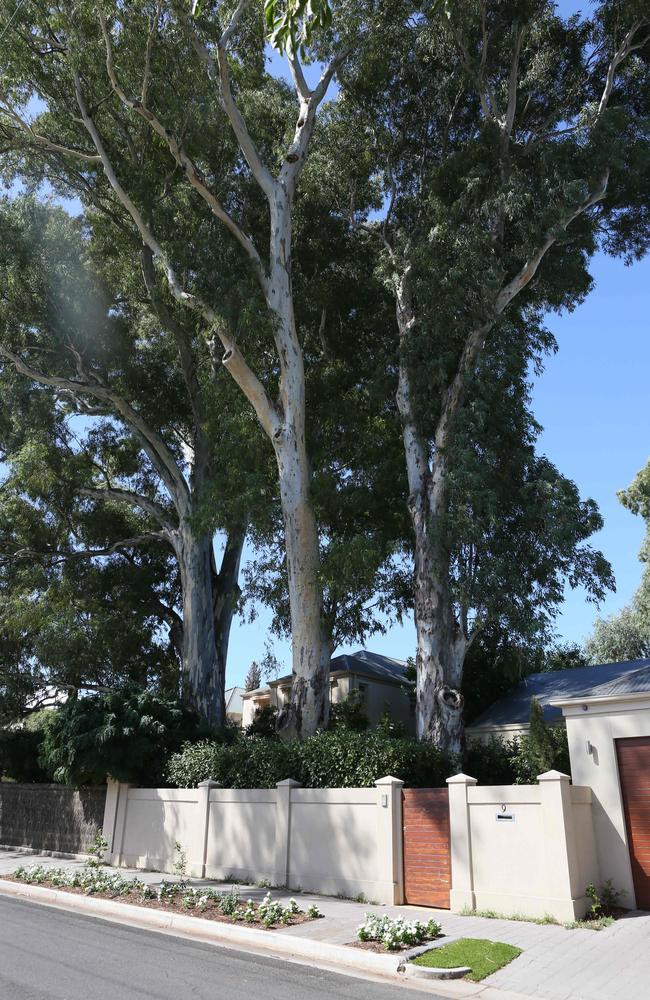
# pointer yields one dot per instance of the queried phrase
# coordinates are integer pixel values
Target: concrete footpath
(556, 964)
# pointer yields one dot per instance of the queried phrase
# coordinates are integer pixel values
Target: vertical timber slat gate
(427, 855)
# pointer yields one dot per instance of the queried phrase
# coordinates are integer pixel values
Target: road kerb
(272, 944)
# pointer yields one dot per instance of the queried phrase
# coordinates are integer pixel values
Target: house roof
(375, 665)
(234, 700)
(598, 681)
(365, 663)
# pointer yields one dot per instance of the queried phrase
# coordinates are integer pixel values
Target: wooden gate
(427, 861)
(634, 771)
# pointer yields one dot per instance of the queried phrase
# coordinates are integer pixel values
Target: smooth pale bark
(442, 637)
(308, 706)
(440, 646)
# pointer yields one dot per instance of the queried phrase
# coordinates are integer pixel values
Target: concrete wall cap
(389, 780)
(553, 776)
(288, 783)
(462, 779)
(210, 783)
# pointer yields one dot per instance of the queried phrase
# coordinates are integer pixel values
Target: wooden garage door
(427, 862)
(634, 771)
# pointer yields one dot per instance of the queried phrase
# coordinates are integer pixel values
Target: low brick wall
(50, 817)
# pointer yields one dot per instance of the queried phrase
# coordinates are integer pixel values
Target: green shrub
(491, 763)
(517, 761)
(528, 762)
(264, 722)
(19, 755)
(349, 713)
(339, 758)
(128, 734)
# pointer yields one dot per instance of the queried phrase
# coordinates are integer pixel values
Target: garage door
(634, 771)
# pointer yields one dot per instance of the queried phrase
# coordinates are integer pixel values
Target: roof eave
(606, 699)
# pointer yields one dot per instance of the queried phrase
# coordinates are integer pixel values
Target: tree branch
(41, 141)
(621, 53)
(181, 157)
(152, 443)
(149, 506)
(476, 340)
(219, 73)
(57, 556)
(241, 372)
(235, 363)
(525, 275)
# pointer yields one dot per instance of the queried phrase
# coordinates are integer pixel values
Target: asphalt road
(47, 954)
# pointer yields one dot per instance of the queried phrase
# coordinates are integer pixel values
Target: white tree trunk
(440, 644)
(308, 708)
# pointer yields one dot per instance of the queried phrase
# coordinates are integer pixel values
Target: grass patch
(481, 956)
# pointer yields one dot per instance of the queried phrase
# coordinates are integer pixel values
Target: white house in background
(606, 710)
(234, 704)
(380, 681)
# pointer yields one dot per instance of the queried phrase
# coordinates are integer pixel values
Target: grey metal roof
(598, 681)
(383, 668)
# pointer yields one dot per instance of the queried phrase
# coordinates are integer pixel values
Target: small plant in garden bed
(482, 957)
(395, 933)
(179, 896)
(604, 903)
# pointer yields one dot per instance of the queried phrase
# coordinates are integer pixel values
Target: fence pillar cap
(553, 776)
(462, 779)
(210, 783)
(389, 780)
(288, 783)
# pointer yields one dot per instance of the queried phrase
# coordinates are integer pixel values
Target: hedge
(336, 759)
(517, 761)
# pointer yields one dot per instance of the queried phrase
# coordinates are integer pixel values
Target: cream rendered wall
(503, 851)
(346, 840)
(334, 843)
(241, 834)
(601, 723)
(153, 820)
(521, 848)
(585, 836)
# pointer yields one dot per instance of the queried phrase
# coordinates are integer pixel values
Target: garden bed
(394, 934)
(174, 897)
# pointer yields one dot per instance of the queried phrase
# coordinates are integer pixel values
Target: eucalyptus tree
(511, 145)
(191, 79)
(625, 635)
(105, 438)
